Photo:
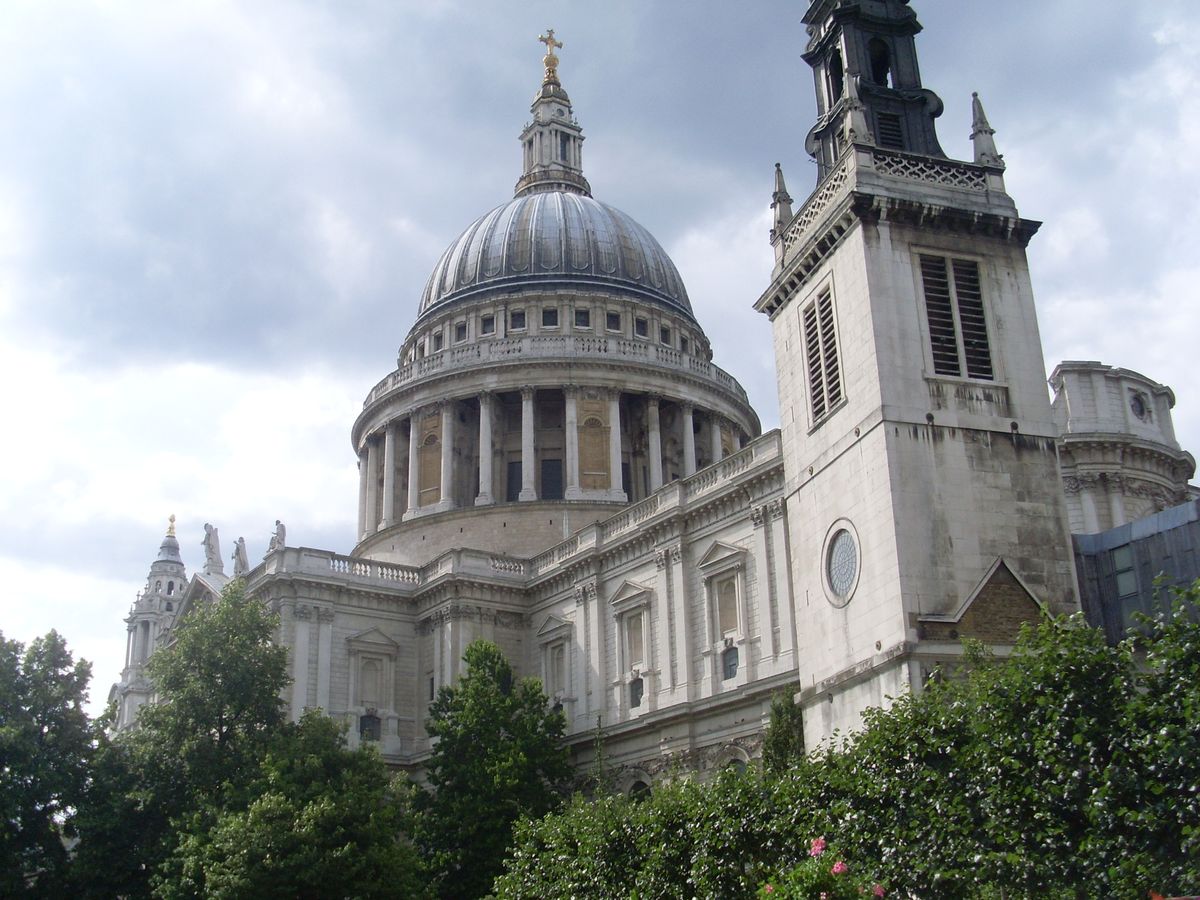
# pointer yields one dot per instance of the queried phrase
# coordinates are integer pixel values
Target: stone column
(372, 486)
(389, 475)
(655, 450)
(362, 494)
(616, 490)
(528, 490)
(414, 462)
(683, 623)
(689, 441)
(1116, 500)
(714, 428)
(485, 496)
(446, 484)
(571, 394)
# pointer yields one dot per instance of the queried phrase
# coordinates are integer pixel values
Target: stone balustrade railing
(502, 350)
(669, 500)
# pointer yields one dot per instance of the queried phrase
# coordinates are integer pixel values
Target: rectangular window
(958, 334)
(512, 481)
(437, 342)
(564, 146)
(583, 318)
(664, 335)
(1124, 571)
(460, 332)
(820, 346)
(641, 328)
(487, 325)
(729, 664)
(725, 587)
(612, 321)
(552, 480)
(683, 344)
(634, 640)
(556, 669)
(550, 317)
(516, 320)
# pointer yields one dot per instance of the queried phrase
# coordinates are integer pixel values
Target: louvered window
(958, 334)
(890, 133)
(820, 348)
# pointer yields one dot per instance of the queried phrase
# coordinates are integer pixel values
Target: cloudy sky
(216, 219)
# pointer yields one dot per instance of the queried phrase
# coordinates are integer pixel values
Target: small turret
(552, 143)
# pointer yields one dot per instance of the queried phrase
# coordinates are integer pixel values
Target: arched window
(158, 585)
(639, 790)
(837, 77)
(170, 588)
(881, 62)
(636, 689)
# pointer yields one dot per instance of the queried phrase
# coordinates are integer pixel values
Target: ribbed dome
(555, 239)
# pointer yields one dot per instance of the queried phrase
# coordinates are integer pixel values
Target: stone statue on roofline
(212, 551)
(241, 563)
(278, 539)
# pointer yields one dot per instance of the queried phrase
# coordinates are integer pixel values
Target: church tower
(924, 498)
(165, 585)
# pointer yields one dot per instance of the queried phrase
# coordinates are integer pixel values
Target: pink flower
(818, 847)
(877, 890)
(840, 868)
(770, 888)
(824, 896)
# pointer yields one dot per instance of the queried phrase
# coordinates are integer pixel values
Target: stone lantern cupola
(552, 143)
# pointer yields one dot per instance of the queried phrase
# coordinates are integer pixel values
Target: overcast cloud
(216, 220)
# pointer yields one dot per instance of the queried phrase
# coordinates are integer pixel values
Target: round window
(841, 566)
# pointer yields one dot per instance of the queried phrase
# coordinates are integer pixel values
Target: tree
(783, 743)
(44, 748)
(499, 755)
(320, 816)
(195, 752)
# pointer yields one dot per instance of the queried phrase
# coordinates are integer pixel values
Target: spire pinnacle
(982, 136)
(550, 61)
(781, 202)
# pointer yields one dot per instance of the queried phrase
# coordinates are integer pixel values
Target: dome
(555, 239)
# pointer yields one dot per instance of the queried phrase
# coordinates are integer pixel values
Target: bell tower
(924, 498)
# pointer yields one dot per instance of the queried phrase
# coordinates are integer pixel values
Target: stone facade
(557, 465)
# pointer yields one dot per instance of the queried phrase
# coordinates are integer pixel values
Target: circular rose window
(841, 566)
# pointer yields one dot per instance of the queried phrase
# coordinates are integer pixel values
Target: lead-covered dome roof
(555, 239)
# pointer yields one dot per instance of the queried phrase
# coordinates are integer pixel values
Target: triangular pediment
(372, 637)
(628, 593)
(720, 553)
(993, 612)
(552, 625)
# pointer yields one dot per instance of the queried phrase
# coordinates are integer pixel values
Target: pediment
(721, 554)
(373, 638)
(552, 623)
(993, 612)
(553, 627)
(629, 593)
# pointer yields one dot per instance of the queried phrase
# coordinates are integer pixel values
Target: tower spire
(781, 202)
(552, 143)
(982, 136)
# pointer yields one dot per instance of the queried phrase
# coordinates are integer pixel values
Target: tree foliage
(498, 755)
(1070, 769)
(216, 794)
(783, 744)
(45, 745)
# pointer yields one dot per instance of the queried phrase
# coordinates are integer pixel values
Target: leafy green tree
(195, 752)
(783, 744)
(45, 743)
(322, 819)
(499, 754)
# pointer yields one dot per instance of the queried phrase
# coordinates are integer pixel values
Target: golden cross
(550, 42)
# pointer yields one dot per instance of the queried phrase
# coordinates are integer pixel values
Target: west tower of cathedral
(556, 463)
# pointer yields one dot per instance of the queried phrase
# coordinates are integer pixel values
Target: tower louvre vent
(889, 131)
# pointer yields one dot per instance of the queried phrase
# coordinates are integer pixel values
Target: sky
(216, 219)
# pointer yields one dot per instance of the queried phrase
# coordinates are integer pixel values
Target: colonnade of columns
(380, 464)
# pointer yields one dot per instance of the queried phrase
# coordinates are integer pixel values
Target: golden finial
(171, 526)
(550, 61)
